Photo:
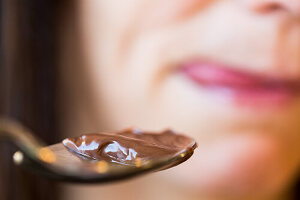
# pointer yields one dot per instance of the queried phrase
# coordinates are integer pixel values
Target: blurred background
(28, 88)
(71, 67)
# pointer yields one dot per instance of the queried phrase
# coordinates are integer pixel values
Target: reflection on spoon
(130, 147)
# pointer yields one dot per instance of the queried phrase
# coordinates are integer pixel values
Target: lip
(244, 87)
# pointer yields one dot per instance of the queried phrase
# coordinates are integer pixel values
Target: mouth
(246, 88)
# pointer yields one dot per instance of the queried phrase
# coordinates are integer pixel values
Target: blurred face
(225, 72)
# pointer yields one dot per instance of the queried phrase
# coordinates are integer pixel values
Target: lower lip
(244, 88)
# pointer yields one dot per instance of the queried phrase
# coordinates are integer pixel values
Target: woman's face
(226, 72)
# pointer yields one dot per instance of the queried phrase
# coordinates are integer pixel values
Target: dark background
(28, 88)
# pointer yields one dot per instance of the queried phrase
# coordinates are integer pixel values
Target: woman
(224, 72)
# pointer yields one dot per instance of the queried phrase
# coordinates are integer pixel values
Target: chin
(248, 167)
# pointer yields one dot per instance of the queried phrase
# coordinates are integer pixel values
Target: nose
(269, 6)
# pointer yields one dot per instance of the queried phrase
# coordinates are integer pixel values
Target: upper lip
(215, 75)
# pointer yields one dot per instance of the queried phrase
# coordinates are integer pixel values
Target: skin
(131, 51)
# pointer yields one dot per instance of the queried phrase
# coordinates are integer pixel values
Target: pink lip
(246, 88)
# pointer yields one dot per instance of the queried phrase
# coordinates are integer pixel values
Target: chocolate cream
(128, 146)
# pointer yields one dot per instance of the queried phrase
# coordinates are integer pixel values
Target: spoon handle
(20, 136)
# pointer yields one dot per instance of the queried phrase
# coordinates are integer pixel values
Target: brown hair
(28, 79)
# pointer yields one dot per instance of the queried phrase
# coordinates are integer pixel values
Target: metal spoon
(58, 163)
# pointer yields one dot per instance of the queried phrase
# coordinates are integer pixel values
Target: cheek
(239, 165)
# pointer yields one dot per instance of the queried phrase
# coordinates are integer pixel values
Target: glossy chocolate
(129, 146)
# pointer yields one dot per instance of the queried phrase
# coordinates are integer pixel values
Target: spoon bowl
(56, 162)
(70, 168)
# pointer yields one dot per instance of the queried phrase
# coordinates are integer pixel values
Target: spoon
(56, 162)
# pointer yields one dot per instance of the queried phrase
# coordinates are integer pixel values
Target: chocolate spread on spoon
(128, 146)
